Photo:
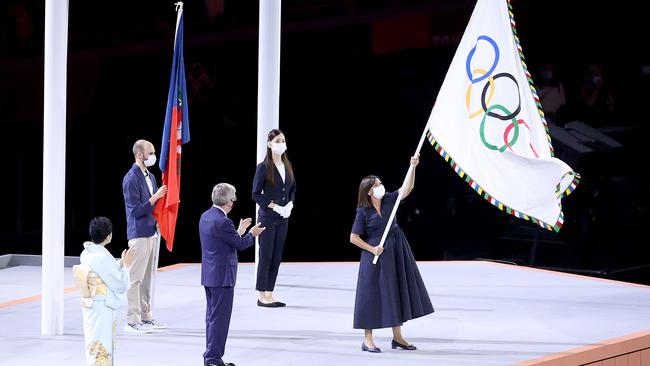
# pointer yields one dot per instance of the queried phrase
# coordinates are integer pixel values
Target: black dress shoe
(269, 305)
(409, 347)
(365, 348)
(222, 364)
(279, 304)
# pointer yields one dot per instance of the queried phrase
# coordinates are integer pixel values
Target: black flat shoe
(269, 305)
(279, 304)
(365, 348)
(409, 347)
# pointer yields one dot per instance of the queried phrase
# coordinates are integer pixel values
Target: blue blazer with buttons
(220, 242)
(140, 222)
(263, 192)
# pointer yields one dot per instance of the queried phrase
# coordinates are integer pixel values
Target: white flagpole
(54, 121)
(179, 12)
(268, 82)
(401, 192)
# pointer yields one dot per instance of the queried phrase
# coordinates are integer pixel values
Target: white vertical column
(268, 80)
(54, 124)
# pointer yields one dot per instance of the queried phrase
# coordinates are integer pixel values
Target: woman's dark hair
(268, 161)
(100, 228)
(364, 188)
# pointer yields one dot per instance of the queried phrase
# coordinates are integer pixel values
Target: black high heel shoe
(368, 349)
(409, 347)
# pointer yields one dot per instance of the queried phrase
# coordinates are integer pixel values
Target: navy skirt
(392, 291)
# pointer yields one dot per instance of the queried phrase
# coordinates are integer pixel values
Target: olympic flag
(488, 122)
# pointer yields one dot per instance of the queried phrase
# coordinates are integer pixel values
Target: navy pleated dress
(392, 291)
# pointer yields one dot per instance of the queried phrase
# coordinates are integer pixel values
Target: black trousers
(270, 254)
(217, 321)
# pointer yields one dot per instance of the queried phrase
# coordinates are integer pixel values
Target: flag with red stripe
(176, 133)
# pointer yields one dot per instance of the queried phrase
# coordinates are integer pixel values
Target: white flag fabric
(488, 123)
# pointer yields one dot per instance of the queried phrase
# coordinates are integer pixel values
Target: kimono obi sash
(89, 284)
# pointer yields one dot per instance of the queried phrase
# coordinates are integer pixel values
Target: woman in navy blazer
(274, 190)
(392, 291)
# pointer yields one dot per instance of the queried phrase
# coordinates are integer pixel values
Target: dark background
(358, 80)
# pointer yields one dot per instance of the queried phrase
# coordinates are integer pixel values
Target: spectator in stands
(597, 97)
(551, 93)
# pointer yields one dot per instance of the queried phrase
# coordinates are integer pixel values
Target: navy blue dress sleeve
(292, 191)
(359, 226)
(232, 238)
(391, 197)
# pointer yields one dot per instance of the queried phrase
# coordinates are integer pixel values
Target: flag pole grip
(401, 191)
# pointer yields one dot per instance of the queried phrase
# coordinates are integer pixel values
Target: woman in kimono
(103, 283)
(392, 291)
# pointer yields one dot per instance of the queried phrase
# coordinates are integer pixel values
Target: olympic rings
(468, 62)
(477, 75)
(509, 128)
(483, 102)
(513, 124)
(469, 93)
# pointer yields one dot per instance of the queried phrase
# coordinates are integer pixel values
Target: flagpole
(54, 120)
(401, 193)
(179, 12)
(268, 82)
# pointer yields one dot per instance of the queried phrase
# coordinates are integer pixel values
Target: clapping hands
(243, 225)
(128, 255)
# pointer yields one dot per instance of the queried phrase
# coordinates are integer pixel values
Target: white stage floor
(486, 314)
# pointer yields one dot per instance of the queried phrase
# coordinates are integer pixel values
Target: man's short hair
(139, 147)
(100, 228)
(222, 193)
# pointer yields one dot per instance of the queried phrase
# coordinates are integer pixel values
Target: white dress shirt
(281, 170)
(148, 179)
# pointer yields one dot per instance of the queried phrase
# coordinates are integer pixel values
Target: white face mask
(150, 161)
(378, 192)
(278, 147)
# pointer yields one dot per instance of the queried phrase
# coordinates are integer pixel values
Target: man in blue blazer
(140, 196)
(220, 242)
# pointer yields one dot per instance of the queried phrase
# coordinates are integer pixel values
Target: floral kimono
(103, 283)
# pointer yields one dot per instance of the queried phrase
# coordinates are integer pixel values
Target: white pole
(54, 124)
(268, 82)
(399, 196)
